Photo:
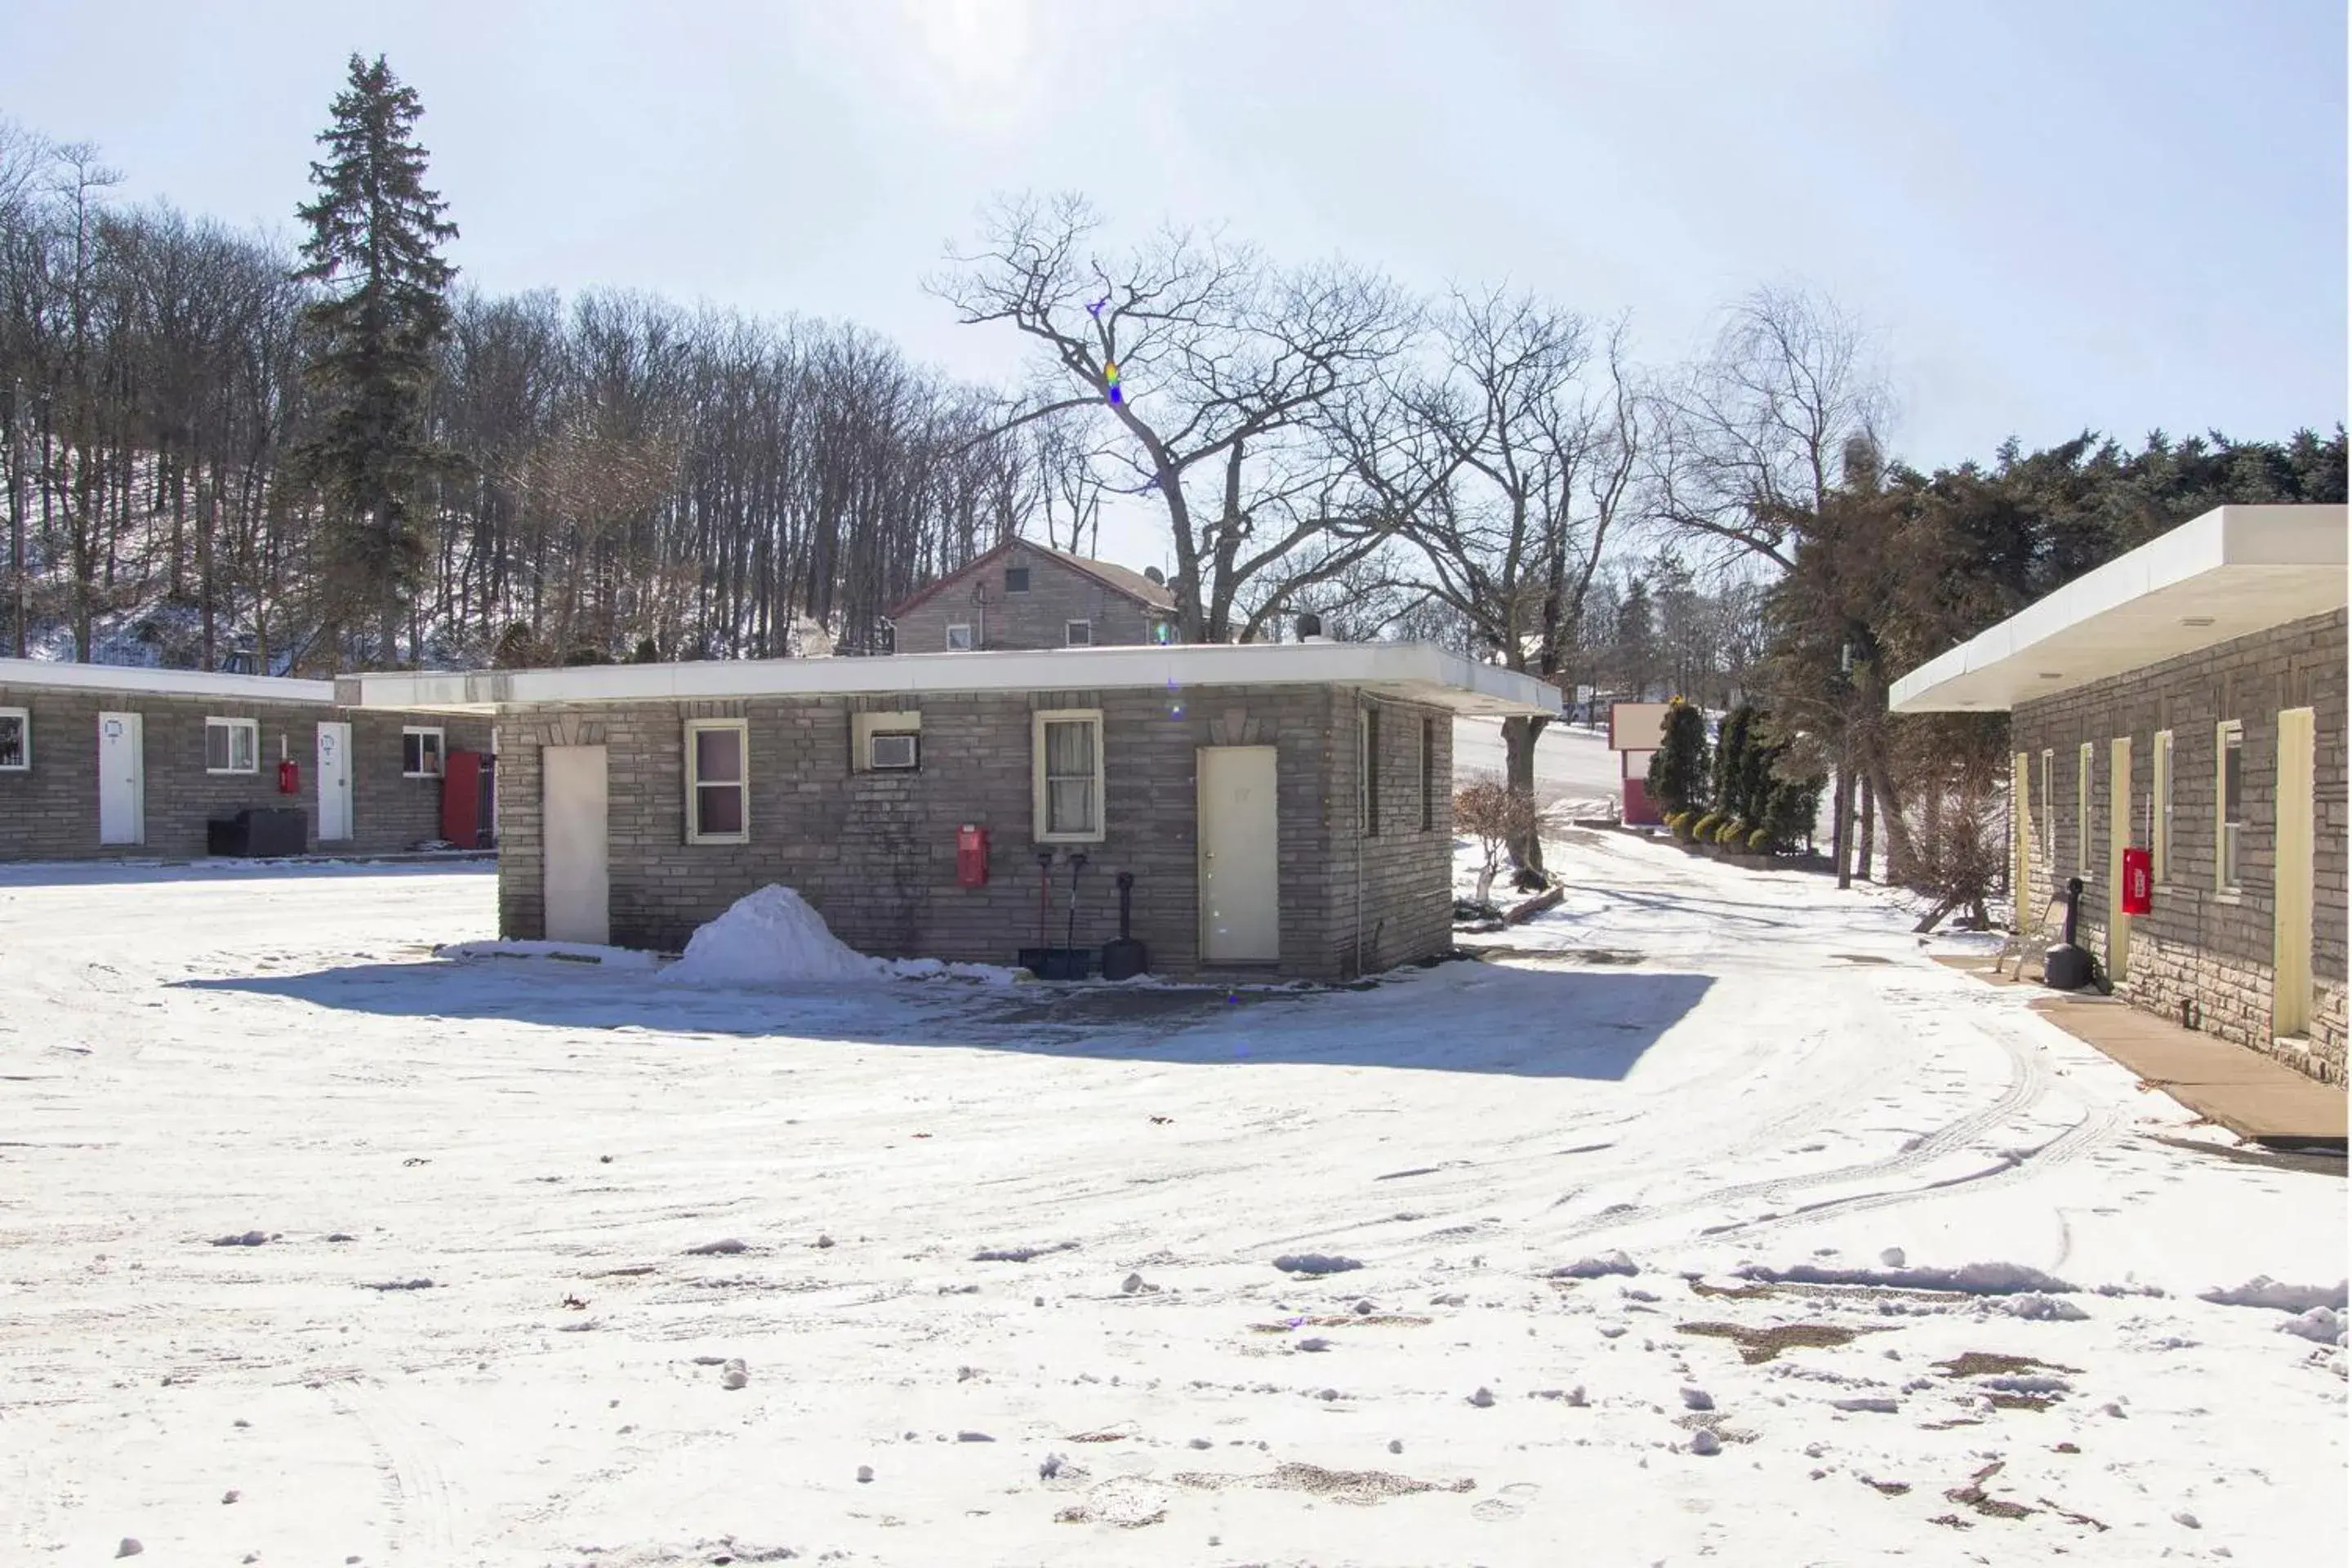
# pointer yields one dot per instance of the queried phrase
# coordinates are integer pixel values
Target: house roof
(59, 674)
(1135, 585)
(2233, 572)
(1415, 671)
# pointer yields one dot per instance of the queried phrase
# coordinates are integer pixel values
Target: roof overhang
(1411, 671)
(58, 674)
(2235, 571)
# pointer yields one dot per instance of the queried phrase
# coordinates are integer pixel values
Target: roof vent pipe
(1310, 629)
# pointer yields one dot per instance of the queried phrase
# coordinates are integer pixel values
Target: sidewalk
(2226, 1084)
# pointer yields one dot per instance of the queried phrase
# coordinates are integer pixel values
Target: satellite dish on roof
(1156, 576)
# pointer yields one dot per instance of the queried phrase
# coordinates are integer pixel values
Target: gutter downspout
(1361, 805)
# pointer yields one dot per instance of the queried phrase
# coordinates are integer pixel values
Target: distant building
(1023, 595)
(2187, 700)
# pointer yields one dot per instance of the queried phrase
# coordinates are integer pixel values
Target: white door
(334, 782)
(1241, 877)
(577, 889)
(122, 778)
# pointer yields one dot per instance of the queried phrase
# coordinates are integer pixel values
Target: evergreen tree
(377, 328)
(1678, 779)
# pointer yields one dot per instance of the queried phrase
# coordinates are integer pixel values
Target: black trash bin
(259, 833)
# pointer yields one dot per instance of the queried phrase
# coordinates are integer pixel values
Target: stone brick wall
(875, 853)
(50, 812)
(1405, 871)
(2212, 949)
(1057, 595)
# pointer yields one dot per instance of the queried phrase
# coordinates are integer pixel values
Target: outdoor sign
(1637, 726)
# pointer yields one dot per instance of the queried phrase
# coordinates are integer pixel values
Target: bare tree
(1223, 367)
(1527, 464)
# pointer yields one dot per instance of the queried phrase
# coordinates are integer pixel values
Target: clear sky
(2120, 214)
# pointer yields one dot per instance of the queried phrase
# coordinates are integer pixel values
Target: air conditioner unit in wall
(887, 753)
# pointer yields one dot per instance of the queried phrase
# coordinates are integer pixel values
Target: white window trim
(2225, 731)
(1069, 641)
(2085, 780)
(2159, 806)
(742, 728)
(440, 750)
(2048, 813)
(963, 627)
(1037, 790)
(24, 717)
(252, 726)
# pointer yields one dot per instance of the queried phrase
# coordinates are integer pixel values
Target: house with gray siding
(1023, 595)
(100, 760)
(2186, 701)
(1282, 808)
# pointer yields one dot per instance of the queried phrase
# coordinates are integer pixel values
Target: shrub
(1495, 816)
(1678, 779)
(1733, 833)
(1703, 829)
(1760, 842)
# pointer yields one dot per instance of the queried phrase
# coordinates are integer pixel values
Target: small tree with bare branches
(1497, 817)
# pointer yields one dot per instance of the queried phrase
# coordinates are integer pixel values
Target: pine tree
(373, 232)
(1678, 775)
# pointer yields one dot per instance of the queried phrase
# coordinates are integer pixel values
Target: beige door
(1241, 875)
(577, 887)
(122, 778)
(335, 783)
(2291, 895)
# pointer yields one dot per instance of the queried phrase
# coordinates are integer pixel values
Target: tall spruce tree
(374, 229)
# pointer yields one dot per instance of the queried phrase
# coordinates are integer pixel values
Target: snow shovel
(1039, 959)
(1124, 959)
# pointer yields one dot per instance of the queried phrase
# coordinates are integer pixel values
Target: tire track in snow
(422, 1505)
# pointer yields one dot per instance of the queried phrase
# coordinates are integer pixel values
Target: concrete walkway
(2227, 1084)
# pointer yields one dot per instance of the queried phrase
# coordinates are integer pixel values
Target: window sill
(2228, 895)
(233, 773)
(1067, 838)
(424, 775)
(696, 841)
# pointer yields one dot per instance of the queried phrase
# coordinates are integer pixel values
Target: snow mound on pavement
(1595, 1268)
(2323, 1325)
(2262, 1291)
(769, 936)
(1969, 1278)
(576, 952)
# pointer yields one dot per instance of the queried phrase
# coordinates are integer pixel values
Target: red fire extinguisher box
(971, 856)
(2139, 880)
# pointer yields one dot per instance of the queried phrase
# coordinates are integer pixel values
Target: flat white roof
(1416, 671)
(2233, 572)
(57, 673)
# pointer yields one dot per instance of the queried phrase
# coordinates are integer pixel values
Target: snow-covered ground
(1710, 1219)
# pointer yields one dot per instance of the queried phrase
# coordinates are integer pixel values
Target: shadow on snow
(1455, 1017)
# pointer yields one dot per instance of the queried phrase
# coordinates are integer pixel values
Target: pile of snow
(772, 937)
(1969, 1278)
(769, 937)
(2262, 1291)
(575, 951)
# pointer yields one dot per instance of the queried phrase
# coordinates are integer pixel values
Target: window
(888, 752)
(232, 745)
(1428, 793)
(959, 637)
(420, 752)
(2048, 821)
(16, 739)
(716, 780)
(2228, 800)
(885, 742)
(1017, 579)
(2083, 809)
(1078, 634)
(1368, 781)
(1065, 746)
(2159, 807)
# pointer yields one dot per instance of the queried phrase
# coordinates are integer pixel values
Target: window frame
(2159, 805)
(1068, 641)
(695, 784)
(2048, 811)
(24, 717)
(2085, 789)
(2229, 736)
(440, 750)
(232, 726)
(914, 763)
(1428, 774)
(1367, 770)
(1024, 588)
(963, 627)
(1041, 830)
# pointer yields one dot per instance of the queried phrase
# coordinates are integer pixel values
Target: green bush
(1733, 833)
(1703, 829)
(1760, 842)
(1678, 775)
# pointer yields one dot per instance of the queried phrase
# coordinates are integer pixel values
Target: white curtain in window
(1070, 777)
